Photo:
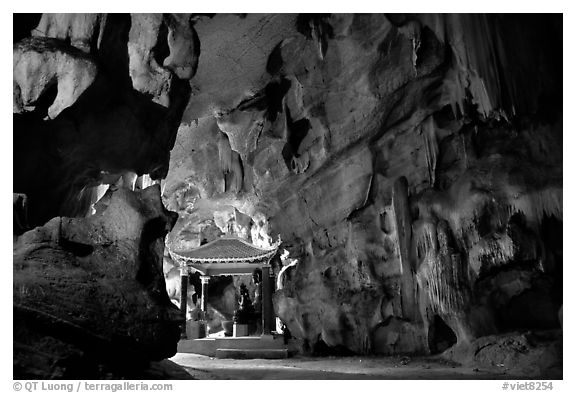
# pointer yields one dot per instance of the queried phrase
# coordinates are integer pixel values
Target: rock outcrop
(89, 293)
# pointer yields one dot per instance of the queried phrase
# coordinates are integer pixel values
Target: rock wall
(97, 102)
(412, 164)
(96, 97)
(408, 162)
(90, 298)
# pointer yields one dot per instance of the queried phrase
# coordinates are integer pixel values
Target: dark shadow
(552, 237)
(297, 131)
(161, 49)
(113, 51)
(440, 336)
(76, 248)
(23, 24)
(275, 61)
(149, 273)
(532, 309)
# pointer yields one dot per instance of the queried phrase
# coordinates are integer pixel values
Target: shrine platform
(251, 347)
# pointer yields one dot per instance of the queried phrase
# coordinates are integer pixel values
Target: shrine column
(204, 280)
(266, 301)
(272, 316)
(183, 295)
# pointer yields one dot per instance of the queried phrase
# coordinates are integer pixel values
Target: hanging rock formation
(93, 102)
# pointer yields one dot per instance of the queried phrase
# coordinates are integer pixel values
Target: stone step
(224, 353)
(208, 346)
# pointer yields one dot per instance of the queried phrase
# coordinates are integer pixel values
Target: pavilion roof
(226, 250)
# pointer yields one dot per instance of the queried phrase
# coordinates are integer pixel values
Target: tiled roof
(225, 249)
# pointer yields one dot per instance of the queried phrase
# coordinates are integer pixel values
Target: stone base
(209, 346)
(224, 353)
(195, 329)
(240, 330)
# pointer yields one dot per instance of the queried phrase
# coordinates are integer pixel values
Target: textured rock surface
(525, 354)
(40, 63)
(91, 110)
(314, 144)
(412, 164)
(91, 292)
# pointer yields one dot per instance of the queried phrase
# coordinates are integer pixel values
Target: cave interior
(409, 164)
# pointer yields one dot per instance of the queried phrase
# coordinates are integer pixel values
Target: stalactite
(479, 94)
(403, 222)
(464, 150)
(494, 251)
(224, 153)
(456, 298)
(537, 204)
(442, 271)
(426, 242)
(412, 31)
(472, 47)
(235, 176)
(454, 91)
(428, 132)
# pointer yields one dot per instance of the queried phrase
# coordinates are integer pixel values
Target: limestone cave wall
(411, 164)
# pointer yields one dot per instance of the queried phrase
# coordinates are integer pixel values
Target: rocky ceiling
(412, 164)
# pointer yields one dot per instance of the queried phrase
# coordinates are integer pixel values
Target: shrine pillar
(204, 280)
(267, 310)
(183, 296)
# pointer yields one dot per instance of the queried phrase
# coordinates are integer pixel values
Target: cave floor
(349, 367)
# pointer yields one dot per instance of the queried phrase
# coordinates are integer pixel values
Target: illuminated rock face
(412, 164)
(315, 139)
